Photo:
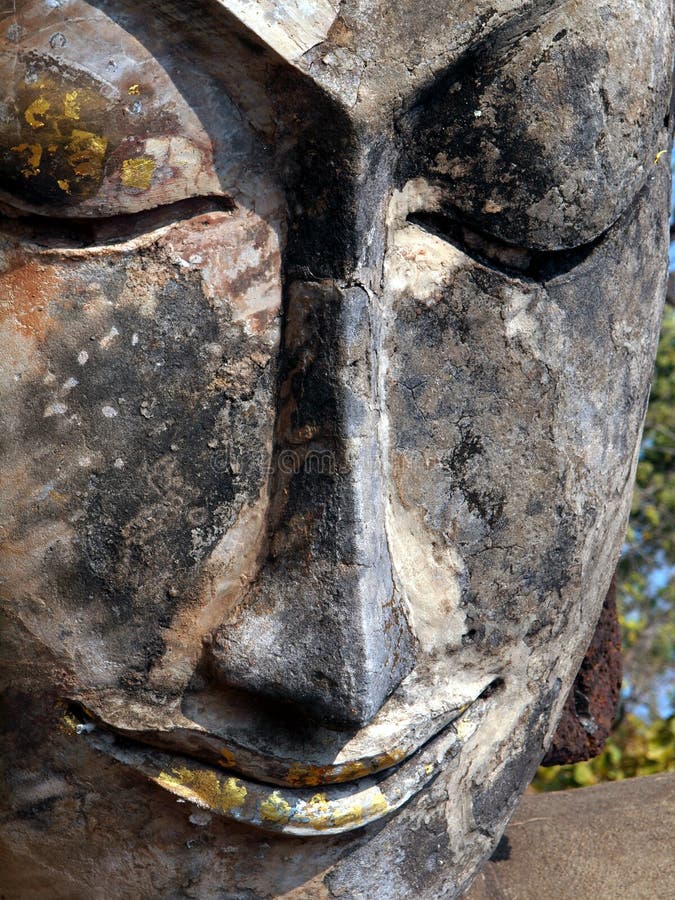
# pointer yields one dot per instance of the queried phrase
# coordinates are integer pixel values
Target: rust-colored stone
(592, 703)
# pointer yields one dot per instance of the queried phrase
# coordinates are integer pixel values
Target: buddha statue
(327, 339)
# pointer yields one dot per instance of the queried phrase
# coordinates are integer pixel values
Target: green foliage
(646, 585)
(635, 748)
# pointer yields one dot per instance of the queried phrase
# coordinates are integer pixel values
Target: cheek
(139, 393)
(471, 402)
(514, 415)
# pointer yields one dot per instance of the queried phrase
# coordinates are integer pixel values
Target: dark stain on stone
(157, 501)
(502, 851)
(477, 133)
(463, 462)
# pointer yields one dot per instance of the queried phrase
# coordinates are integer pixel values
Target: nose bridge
(338, 177)
(323, 625)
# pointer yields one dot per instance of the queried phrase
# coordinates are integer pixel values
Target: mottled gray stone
(327, 337)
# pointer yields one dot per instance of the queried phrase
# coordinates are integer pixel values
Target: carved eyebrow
(53, 233)
(503, 34)
(291, 37)
(497, 39)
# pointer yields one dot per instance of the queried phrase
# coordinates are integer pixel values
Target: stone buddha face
(327, 332)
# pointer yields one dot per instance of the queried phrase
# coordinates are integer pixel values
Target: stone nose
(323, 626)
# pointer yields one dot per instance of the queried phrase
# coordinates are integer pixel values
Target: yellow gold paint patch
(173, 784)
(35, 112)
(464, 727)
(68, 724)
(300, 775)
(137, 173)
(307, 776)
(385, 760)
(203, 785)
(275, 809)
(353, 770)
(318, 811)
(32, 156)
(377, 802)
(85, 153)
(134, 89)
(61, 138)
(348, 814)
(71, 108)
(228, 758)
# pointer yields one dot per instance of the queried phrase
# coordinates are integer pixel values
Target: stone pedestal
(611, 840)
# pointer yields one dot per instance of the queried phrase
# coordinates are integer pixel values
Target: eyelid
(109, 232)
(509, 259)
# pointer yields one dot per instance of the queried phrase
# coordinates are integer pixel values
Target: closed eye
(49, 232)
(538, 265)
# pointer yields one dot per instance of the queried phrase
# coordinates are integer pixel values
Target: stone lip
(273, 746)
(301, 811)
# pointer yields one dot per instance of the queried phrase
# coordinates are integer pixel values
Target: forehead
(368, 51)
(375, 54)
(401, 40)
(539, 118)
(294, 28)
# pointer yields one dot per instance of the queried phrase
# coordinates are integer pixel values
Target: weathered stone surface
(325, 358)
(537, 143)
(610, 840)
(592, 704)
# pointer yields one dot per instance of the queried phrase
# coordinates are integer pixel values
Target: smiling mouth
(326, 808)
